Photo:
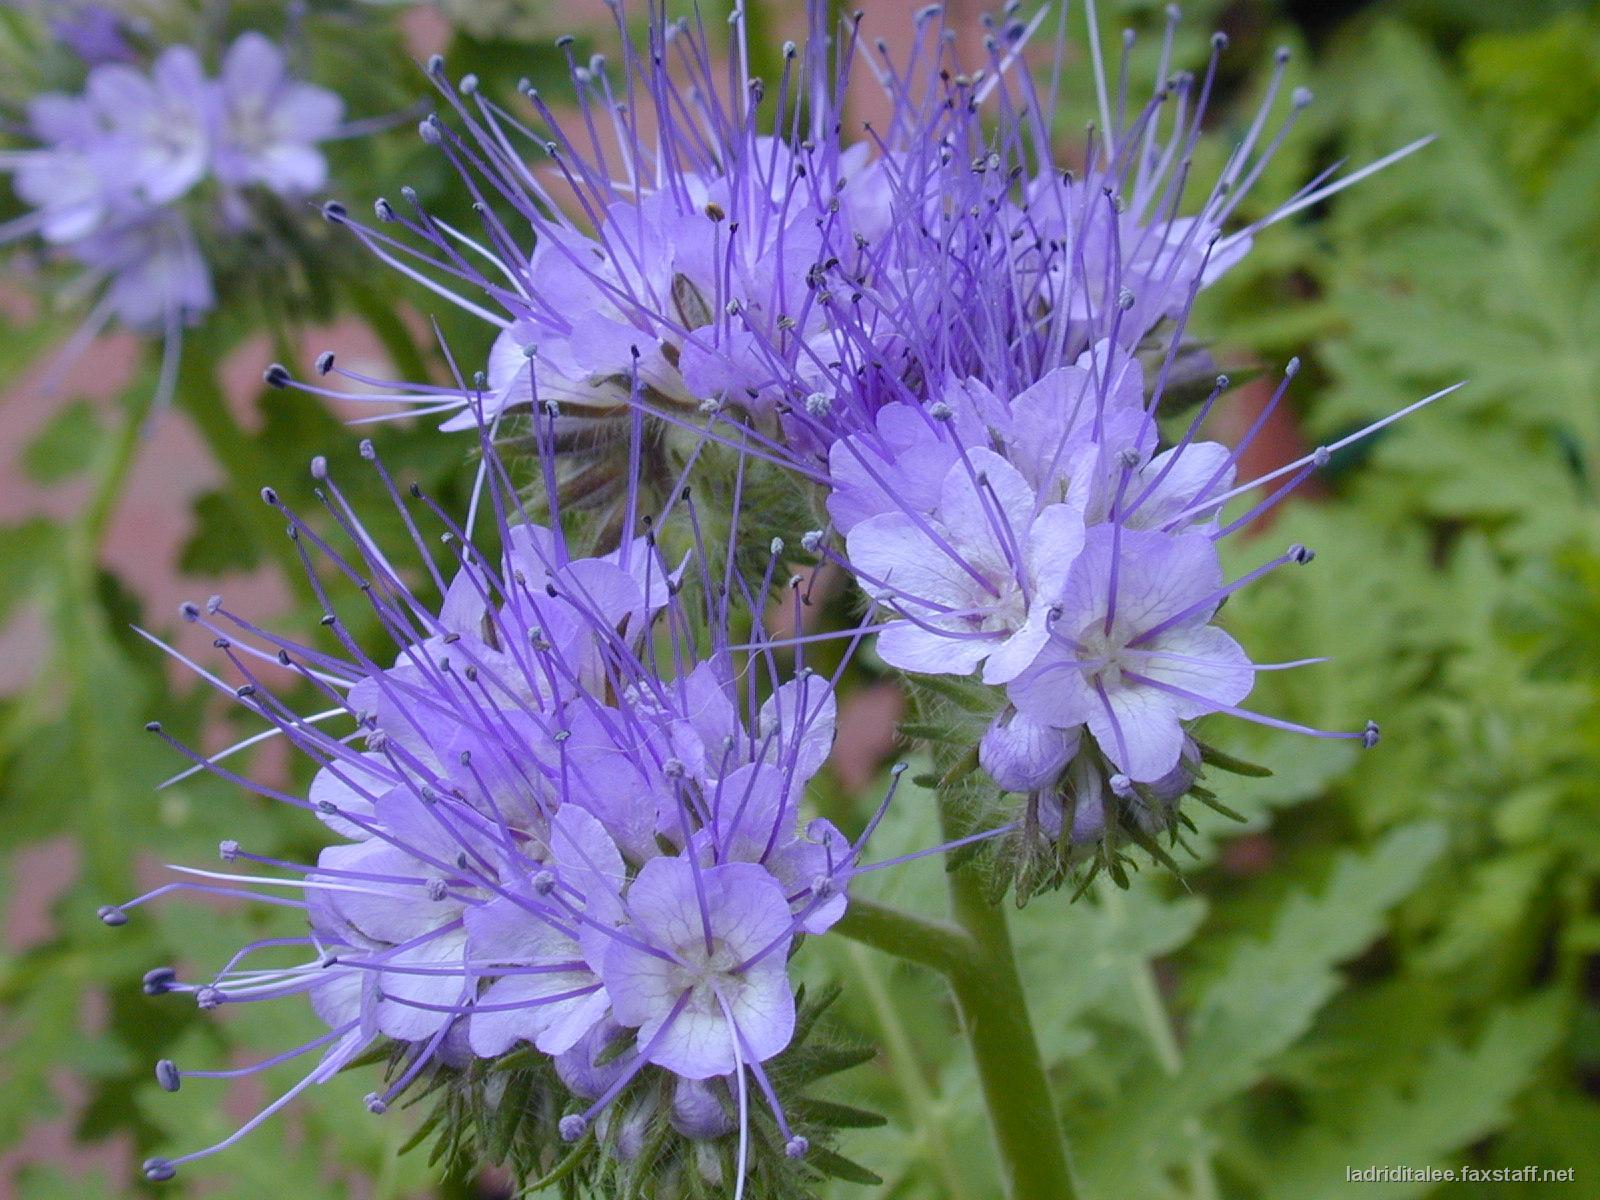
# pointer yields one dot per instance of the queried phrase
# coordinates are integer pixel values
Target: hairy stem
(932, 943)
(994, 1010)
(973, 952)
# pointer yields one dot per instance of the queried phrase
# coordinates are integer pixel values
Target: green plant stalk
(974, 953)
(994, 1011)
(932, 943)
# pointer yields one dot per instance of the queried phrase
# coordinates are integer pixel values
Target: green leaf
(222, 540)
(66, 445)
(1262, 1000)
(1457, 1095)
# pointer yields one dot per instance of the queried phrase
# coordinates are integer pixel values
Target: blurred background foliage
(1394, 961)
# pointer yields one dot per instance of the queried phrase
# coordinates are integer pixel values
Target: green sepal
(1209, 798)
(837, 1166)
(964, 692)
(818, 1062)
(422, 1132)
(1224, 761)
(835, 1115)
(923, 731)
(563, 1169)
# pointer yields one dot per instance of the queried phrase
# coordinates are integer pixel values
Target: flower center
(1007, 611)
(1102, 654)
(702, 974)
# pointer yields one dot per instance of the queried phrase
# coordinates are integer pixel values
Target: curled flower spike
(731, 262)
(1047, 545)
(690, 246)
(1016, 514)
(566, 815)
(565, 835)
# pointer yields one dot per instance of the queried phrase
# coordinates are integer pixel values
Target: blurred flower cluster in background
(1352, 959)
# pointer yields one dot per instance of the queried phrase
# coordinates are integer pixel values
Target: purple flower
(116, 182)
(698, 1111)
(268, 122)
(547, 831)
(156, 277)
(1131, 653)
(702, 974)
(1023, 754)
(95, 33)
(62, 179)
(972, 579)
(702, 265)
(781, 293)
(552, 995)
(158, 127)
(1048, 539)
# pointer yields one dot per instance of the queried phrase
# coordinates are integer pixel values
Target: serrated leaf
(1262, 1000)
(1459, 1094)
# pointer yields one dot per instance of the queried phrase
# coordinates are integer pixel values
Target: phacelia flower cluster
(129, 175)
(961, 341)
(569, 802)
(560, 821)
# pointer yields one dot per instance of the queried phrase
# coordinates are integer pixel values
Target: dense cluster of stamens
(567, 813)
(964, 343)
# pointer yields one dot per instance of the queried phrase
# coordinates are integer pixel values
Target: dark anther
(159, 981)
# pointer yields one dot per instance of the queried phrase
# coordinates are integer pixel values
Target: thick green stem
(994, 1009)
(974, 953)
